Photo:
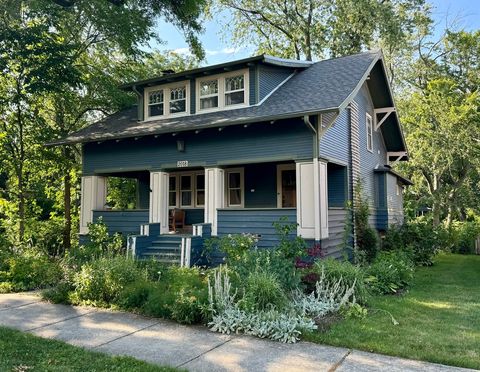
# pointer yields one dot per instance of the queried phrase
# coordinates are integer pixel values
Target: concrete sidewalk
(193, 348)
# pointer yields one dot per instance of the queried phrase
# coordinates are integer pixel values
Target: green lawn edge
(21, 351)
(439, 317)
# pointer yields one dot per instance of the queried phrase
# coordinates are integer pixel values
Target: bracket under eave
(384, 110)
(398, 154)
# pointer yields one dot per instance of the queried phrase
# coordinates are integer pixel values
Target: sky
(465, 13)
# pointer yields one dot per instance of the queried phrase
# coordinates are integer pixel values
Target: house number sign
(182, 163)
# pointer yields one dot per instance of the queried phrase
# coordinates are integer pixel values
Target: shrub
(290, 245)
(464, 235)
(390, 272)
(271, 261)
(367, 239)
(180, 294)
(59, 294)
(351, 275)
(234, 246)
(30, 270)
(135, 295)
(101, 281)
(263, 291)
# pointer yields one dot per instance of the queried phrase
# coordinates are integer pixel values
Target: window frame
(229, 171)
(369, 131)
(178, 199)
(197, 189)
(221, 78)
(280, 169)
(167, 88)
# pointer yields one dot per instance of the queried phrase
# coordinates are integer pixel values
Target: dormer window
(178, 99)
(167, 100)
(234, 90)
(223, 91)
(208, 94)
(155, 103)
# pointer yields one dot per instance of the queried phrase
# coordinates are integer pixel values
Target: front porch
(235, 199)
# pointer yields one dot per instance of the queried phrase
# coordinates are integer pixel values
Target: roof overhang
(388, 169)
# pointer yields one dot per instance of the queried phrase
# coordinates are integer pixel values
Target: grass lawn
(21, 352)
(439, 317)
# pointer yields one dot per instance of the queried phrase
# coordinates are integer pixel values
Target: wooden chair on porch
(176, 219)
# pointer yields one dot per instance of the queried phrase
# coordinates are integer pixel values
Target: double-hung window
(235, 187)
(166, 100)
(208, 94)
(172, 191)
(234, 90)
(178, 99)
(155, 103)
(200, 190)
(186, 191)
(369, 125)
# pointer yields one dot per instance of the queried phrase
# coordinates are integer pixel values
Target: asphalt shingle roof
(324, 86)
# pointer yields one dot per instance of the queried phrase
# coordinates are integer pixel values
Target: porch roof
(324, 86)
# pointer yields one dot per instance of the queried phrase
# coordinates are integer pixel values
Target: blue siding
(193, 96)
(284, 140)
(193, 216)
(394, 201)
(337, 185)
(124, 222)
(368, 160)
(270, 77)
(334, 144)
(261, 185)
(254, 221)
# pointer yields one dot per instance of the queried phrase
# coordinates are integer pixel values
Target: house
(237, 146)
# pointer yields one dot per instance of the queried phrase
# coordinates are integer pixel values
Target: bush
(135, 295)
(60, 294)
(464, 235)
(290, 245)
(390, 272)
(351, 275)
(28, 271)
(101, 281)
(234, 246)
(263, 291)
(180, 294)
(367, 238)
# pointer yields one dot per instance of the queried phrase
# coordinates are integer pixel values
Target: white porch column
(158, 212)
(312, 200)
(93, 196)
(214, 195)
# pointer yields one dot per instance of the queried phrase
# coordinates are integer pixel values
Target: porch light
(181, 145)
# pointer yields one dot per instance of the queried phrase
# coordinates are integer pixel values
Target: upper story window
(234, 90)
(208, 94)
(369, 125)
(167, 100)
(223, 91)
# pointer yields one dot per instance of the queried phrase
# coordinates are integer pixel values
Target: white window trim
(191, 190)
(242, 187)
(280, 168)
(368, 119)
(196, 189)
(178, 198)
(166, 100)
(221, 91)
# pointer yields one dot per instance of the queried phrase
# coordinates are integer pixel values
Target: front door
(286, 186)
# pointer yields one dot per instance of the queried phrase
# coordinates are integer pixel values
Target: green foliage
(290, 245)
(464, 234)
(234, 246)
(367, 239)
(101, 281)
(354, 311)
(352, 275)
(122, 193)
(135, 295)
(390, 272)
(263, 292)
(59, 294)
(29, 270)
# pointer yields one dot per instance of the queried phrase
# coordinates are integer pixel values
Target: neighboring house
(237, 146)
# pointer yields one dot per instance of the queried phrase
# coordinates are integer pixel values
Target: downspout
(140, 103)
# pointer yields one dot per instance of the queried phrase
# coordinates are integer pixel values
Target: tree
(318, 28)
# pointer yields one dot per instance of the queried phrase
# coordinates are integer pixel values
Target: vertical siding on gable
(334, 142)
(269, 78)
(368, 160)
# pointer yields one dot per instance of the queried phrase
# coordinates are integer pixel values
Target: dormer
(227, 86)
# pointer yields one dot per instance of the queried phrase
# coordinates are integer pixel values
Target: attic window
(155, 103)
(234, 90)
(369, 125)
(208, 94)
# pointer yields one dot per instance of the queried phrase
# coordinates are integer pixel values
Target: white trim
(177, 176)
(305, 200)
(221, 91)
(214, 195)
(93, 196)
(166, 100)
(384, 110)
(369, 131)
(323, 201)
(241, 171)
(158, 212)
(182, 253)
(188, 252)
(280, 169)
